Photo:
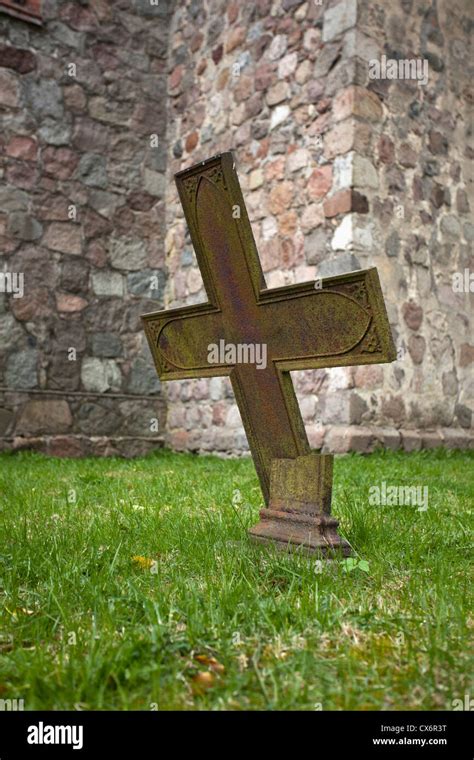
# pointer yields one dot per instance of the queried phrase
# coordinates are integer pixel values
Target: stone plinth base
(298, 514)
(312, 533)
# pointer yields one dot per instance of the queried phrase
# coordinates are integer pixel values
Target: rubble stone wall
(341, 166)
(82, 217)
(340, 170)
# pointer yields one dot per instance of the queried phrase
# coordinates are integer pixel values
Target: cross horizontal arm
(343, 322)
(179, 340)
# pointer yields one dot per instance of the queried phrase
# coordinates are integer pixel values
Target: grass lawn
(133, 585)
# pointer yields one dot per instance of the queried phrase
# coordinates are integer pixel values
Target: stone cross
(256, 337)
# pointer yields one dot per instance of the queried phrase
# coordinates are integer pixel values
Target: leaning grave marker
(342, 323)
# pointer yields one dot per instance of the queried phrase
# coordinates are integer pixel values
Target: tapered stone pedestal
(299, 510)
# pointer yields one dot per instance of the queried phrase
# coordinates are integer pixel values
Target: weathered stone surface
(154, 183)
(279, 116)
(416, 348)
(393, 409)
(343, 238)
(22, 369)
(64, 370)
(281, 197)
(24, 148)
(75, 98)
(59, 162)
(278, 47)
(320, 182)
(315, 246)
(139, 417)
(364, 173)
(30, 443)
(431, 439)
(107, 283)
(312, 217)
(6, 421)
(19, 59)
(12, 199)
(361, 439)
(142, 379)
(110, 113)
(99, 418)
(68, 303)
(466, 355)
(413, 315)
(389, 438)
(69, 175)
(338, 18)
(22, 175)
(89, 135)
(64, 237)
(392, 245)
(92, 171)
(337, 440)
(450, 227)
(44, 97)
(411, 440)
(40, 417)
(55, 132)
(96, 225)
(106, 345)
(66, 446)
(24, 226)
(149, 283)
(369, 376)
(35, 304)
(344, 262)
(357, 101)
(128, 253)
(386, 150)
(75, 276)
(287, 65)
(277, 94)
(340, 139)
(69, 332)
(9, 89)
(345, 201)
(100, 375)
(464, 415)
(288, 89)
(456, 439)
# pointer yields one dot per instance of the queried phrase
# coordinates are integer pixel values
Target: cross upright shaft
(342, 323)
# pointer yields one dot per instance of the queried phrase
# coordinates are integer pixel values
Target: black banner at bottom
(376, 734)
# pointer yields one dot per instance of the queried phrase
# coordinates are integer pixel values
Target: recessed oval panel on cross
(184, 343)
(320, 324)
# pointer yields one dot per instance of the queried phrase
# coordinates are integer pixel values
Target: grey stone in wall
(22, 369)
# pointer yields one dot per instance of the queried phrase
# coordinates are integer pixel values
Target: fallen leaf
(211, 662)
(202, 681)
